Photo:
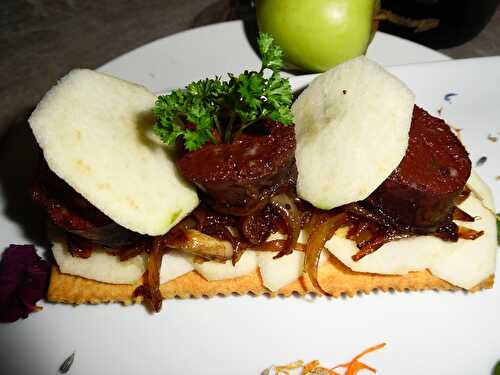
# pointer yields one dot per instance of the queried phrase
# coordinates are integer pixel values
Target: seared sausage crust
(240, 177)
(420, 193)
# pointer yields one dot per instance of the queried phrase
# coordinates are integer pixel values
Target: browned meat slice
(419, 195)
(70, 211)
(240, 177)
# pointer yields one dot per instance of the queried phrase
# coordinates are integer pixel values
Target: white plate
(217, 49)
(425, 332)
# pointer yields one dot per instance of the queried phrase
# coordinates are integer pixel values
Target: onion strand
(288, 210)
(468, 233)
(150, 289)
(194, 242)
(317, 239)
(461, 215)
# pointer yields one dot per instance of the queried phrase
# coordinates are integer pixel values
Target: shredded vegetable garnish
(352, 367)
(284, 369)
(310, 367)
(322, 371)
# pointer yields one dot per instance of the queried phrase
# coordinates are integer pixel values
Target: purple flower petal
(23, 282)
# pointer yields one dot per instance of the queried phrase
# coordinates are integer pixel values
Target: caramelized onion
(359, 211)
(278, 245)
(187, 223)
(230, 241)
(374, 243)
(447, 232)
(360, 232)
(462, 196)
(237, 254)
(79, 247)
(150, 290)
(199, 244)
(204, 217)
(469, 234)
(132, 251)
(458, 214)
(288, 210)
(317, 239)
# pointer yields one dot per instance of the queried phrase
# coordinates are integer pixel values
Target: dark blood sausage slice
(240, 177)
(70, 211)
(419, 195)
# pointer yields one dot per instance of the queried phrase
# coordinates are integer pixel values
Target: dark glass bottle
(459, 20)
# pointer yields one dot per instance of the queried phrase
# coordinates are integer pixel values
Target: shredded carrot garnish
(291, 366)
(354, 366)
(323, 371)
(314, 367)
(309, 367)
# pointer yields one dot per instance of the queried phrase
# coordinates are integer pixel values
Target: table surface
(41, 40)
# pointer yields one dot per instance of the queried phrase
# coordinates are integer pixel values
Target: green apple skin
(316, 35)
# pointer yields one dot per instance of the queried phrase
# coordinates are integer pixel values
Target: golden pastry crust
(334, 277)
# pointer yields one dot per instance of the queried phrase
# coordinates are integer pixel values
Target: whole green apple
(316, 35)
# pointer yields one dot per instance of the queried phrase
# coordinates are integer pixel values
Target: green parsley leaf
(271, 54)
(211, 110)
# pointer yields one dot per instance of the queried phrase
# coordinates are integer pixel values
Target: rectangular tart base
(334, 277)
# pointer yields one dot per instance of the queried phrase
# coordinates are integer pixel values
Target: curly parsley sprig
(212, 110)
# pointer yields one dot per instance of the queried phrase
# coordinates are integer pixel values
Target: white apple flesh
(351, 126)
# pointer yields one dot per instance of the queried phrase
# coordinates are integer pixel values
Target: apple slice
(104, 267)
(213, 270)
(276, 273)
(464, 263)
(483, 191)
(100, 266)
(174, 264)
(352, 126)
(96, 134)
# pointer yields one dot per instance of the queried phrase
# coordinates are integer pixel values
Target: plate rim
(226, 24)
